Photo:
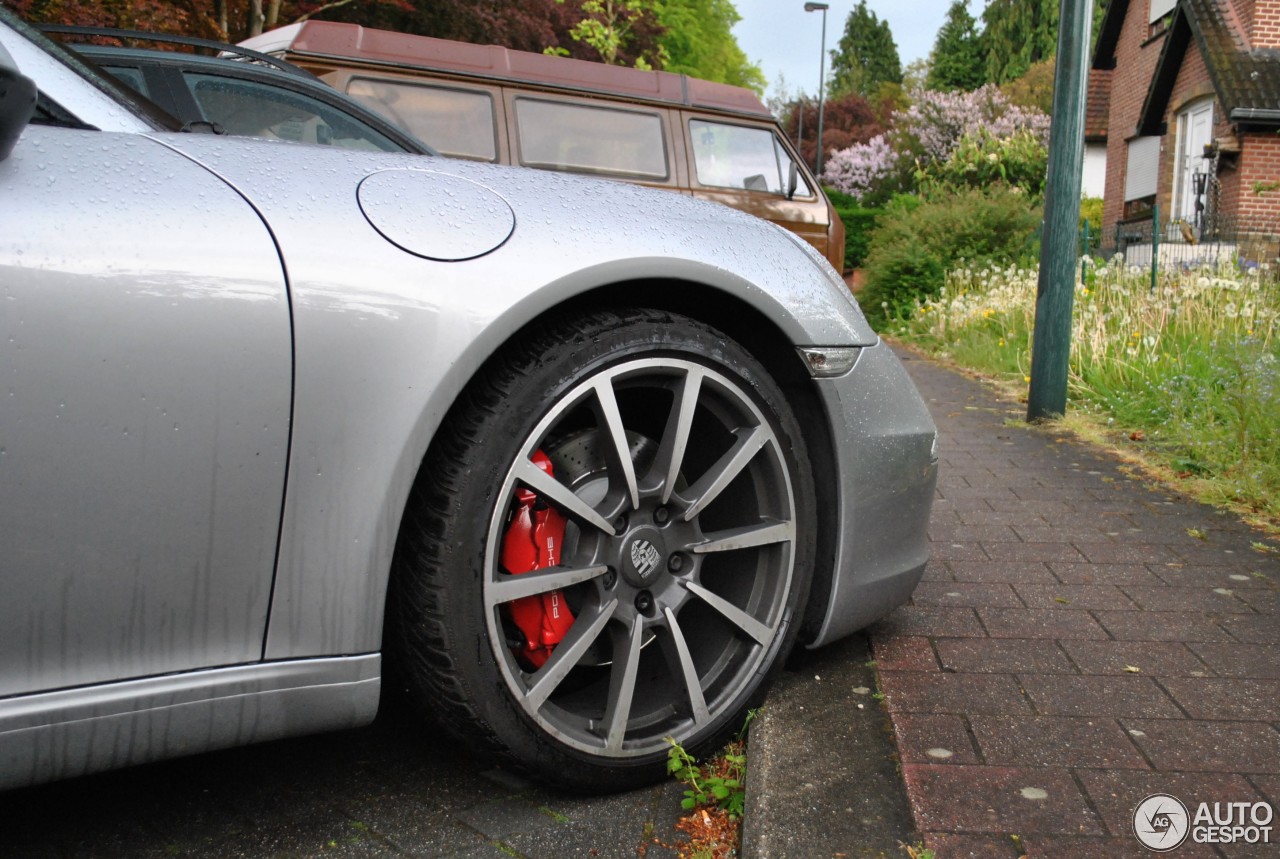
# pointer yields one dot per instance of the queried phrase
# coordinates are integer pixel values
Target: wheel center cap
(642, 559)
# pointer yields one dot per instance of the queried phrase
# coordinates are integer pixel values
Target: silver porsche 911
(582, 459)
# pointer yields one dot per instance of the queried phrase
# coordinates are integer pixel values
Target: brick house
(1186, 94)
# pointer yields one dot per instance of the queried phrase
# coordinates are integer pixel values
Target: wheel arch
(754, 331)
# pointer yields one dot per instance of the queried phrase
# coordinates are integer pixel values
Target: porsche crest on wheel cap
(645, 557)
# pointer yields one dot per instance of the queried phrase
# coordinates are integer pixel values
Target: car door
(145, 395)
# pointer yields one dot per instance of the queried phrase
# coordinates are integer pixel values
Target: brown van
(489, 103)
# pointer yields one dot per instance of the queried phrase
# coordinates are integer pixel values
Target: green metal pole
(1155, 244)
(1051, 348)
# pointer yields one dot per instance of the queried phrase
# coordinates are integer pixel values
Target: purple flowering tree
(928, 132)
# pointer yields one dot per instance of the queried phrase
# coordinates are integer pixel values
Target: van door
(747, 166)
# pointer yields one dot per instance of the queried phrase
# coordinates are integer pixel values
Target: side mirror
(17, 104)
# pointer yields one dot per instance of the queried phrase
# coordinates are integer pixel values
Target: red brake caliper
(532, 542)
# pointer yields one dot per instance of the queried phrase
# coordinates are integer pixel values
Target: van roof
(333, 40)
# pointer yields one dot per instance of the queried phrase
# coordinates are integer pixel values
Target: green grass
(1192, 368)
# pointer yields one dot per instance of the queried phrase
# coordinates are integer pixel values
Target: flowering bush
(981, 160)
(936, 122)
(926, 134)
(860, 168)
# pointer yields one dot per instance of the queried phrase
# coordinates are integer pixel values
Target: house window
(1191, 168)
(1142, 168)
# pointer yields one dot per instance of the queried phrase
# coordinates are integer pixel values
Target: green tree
(957, 61)
(608, 26)
(699, 42)
(867, 55)
(1016, 35)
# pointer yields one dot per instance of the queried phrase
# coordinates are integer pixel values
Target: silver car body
(223, 361)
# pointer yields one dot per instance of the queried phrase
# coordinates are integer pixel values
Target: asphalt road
(394, 789)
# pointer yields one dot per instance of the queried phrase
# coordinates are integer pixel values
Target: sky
(785, 39)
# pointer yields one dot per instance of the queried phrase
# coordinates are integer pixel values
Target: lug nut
(610, 579)
(661, 515)
(675, 563)
(644, 602)
(620, 524)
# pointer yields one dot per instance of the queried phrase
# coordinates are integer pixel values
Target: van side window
(454, 122)
(740, 157)
(589, 139)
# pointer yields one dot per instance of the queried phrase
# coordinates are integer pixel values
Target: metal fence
(1217, 241)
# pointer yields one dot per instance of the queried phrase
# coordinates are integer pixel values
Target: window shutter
(1143, 166)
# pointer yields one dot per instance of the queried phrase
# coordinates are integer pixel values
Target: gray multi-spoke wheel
(671, 584)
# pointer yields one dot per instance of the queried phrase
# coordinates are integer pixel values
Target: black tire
(684, 581)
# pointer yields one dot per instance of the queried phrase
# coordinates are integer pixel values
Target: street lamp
(822, 74)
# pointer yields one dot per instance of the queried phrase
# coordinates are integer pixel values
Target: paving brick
(1241, 660)
(1003, 656)
(1077, 597)
(1048, 847)
(1269, 787)
(1103, 574)
(1152, 658)
(925, 738)
(904, 653)
(979, 799)
(1054, 741)
(1030, 572)
(1163, 626)
(1126, 553)
(1060, 695)
(936, 571)
(1168, 598)
(1032, 552)
(986, 493)
(1039, 623)
(965, 594)
(952, 846)
(972, 533)
(1116, 793)
(1225, 698)
(1234, 576)
(1046, 533)
(1265, 601)
(1252, 629)
(929, 620)
(1043, 509)
(916, 692)
(1202, 554)
(956, 551)
(984, 515)
(1195, 745)
(1240, 849)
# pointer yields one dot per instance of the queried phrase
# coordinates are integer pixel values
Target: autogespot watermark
(1162, 823)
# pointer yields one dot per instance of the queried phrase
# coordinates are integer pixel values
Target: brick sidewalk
(1081, 640)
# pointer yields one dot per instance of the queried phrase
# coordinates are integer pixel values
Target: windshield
(103, 82)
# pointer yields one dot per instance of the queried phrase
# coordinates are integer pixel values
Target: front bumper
(886, 467)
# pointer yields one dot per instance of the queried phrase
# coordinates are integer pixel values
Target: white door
(1195, 131)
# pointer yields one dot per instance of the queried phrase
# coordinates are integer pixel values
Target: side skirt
(72, 732)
